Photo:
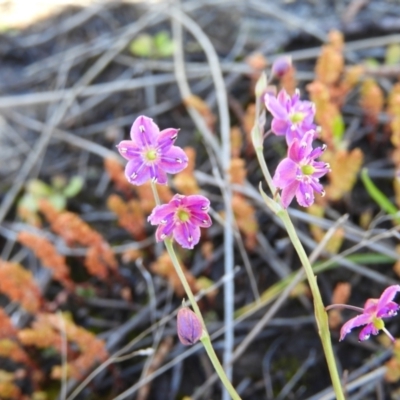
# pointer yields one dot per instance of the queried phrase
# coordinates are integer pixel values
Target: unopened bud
(188, 326)
(281, 65)
(261, 85)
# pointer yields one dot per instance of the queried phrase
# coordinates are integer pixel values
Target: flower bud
(188, 326)
(261, 85)
(281, 65)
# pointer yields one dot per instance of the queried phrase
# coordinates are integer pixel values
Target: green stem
(155, 193)
(319, 309)
(320, 314)
(205, 338)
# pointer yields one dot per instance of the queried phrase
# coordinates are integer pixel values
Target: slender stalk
(182, 277)
(319, 309)
(155, 193)
(354, 308)
(320, 314)
(205, 338)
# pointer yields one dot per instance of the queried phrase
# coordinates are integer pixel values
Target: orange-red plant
(393, 111)
(345, 166)
(341, 295)
(243, 211)
(100, 258)
(130, 215)
(10, 391)
(184, 181)
(18, 284)
(202, 108)
(11, 349)
(393, 365)
(248, 123)
(164, 267)
(330, 63)
(371, 100)
(331, 86)
(47, 331)
(7, 329)
(116, 172)
(48, 255)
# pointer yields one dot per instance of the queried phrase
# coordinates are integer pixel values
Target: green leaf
(29, 202)
(57, 200)
(379, 197)
(164, 44)
(142, 46)
(392, 56)
(272, 204)
(58, 182)
(371, 62)
(39, 188)
(74, 186)
(86, 292)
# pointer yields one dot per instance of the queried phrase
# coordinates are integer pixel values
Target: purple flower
(151, 153)
(182, 218)
(291, 116)
(188, 326)
(298, 174)
(374, 311)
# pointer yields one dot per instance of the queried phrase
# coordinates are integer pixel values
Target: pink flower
(151, 153)
(298, 174)
(182, 218)
(291, 116)
(374, 311)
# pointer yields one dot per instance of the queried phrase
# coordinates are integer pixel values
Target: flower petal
(144, 131)
(166, 138)
(274, 107)
(280, 126)
(158, 175)
(200, 218)
(317, 187)
(165, 230)
(305, 194)
(295, 151)
(187, 235)
(174, 160)
(387, 296)
(137, 172)
(359, 320)
(196, 202)
(161, 214)
(288, 193)
(367, 331)
(294, 133)
(389, 310)
(286, 172)
(128, 149)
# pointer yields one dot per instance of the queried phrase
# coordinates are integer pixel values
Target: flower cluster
(298, 174)
(151, 155)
